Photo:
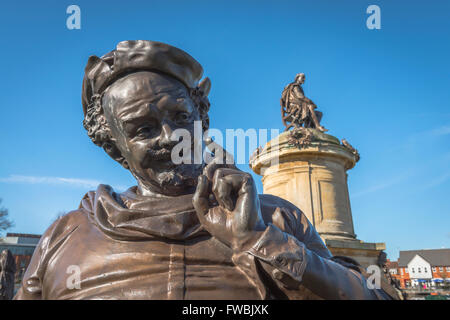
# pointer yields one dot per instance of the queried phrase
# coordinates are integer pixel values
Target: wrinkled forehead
(143, 85)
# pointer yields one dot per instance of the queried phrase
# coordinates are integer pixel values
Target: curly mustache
(158, 155)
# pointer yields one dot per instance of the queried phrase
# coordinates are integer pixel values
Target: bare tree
(5, 223)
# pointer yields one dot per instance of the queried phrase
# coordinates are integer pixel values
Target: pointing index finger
(222, 159)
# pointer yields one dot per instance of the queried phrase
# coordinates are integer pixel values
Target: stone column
(313, 178)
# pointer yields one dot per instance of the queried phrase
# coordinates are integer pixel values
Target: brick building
(422, 268)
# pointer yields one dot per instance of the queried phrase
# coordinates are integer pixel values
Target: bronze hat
(138, 55)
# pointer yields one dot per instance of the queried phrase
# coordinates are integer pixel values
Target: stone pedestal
(314, 178)
(363, 252)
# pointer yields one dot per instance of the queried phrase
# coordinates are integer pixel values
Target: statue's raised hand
(227, 205)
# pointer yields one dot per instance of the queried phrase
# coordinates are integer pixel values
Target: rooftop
(20, 239)
(435, 257)
(23, 235)
(392, 264)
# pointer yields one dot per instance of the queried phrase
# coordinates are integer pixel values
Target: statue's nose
(166, 134)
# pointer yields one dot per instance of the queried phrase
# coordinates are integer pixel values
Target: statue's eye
(144, 132)
(182, 117)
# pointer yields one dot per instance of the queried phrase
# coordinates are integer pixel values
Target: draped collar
(133, 217)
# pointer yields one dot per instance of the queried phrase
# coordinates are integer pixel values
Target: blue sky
(386, 91)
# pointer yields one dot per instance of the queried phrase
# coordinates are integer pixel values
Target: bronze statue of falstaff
(185, 231)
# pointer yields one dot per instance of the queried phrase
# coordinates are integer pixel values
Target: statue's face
(143, 109)
(301, 79)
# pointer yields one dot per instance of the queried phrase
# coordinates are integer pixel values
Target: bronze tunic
(127, 246)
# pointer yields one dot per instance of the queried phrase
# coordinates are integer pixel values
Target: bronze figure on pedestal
(296, 109)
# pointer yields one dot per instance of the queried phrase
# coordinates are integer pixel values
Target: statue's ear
(111, 149)
(205, 86)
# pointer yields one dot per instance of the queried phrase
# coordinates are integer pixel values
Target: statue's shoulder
(289, 218)
(74, 217)
(62, 227)
(287, 88)
(67, 223)
(269, 200)
(281, 212)
(52, 239)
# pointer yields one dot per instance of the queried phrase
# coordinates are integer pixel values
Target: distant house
(425, 268)
(22, 247)
(392, 267)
